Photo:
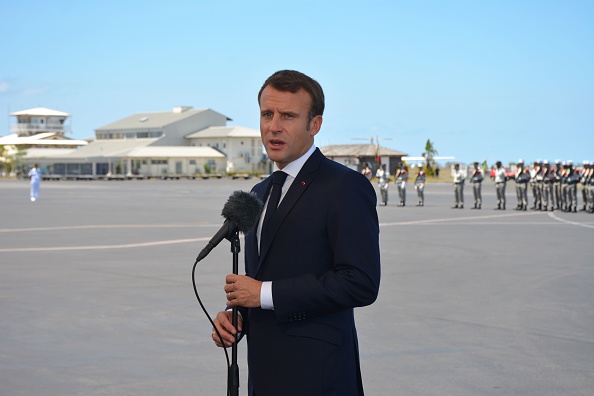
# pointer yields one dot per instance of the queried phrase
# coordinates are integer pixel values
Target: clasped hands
(241, 291)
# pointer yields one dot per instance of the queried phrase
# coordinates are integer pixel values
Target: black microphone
(241, 212)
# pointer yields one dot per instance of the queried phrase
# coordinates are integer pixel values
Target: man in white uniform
(35, 175)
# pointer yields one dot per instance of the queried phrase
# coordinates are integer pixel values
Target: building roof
(358, 150)
(40, 111)
(174, 152)
(109, 148)
(41, 153)
(154, 120)
(224, 131)
(41, 139)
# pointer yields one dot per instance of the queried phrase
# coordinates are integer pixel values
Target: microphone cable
(206, 312)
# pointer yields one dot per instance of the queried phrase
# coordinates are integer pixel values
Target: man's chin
(275, 155)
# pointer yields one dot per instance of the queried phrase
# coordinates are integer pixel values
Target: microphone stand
(233, 372)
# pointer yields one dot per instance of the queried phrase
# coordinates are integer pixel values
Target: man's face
(284, 127)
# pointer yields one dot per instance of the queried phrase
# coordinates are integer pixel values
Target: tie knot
(279, 177)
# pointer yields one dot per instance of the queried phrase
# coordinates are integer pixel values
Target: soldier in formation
(535, 179)
(522, 178)
(500, 182)
(401, 177)
(548, 192)
(571, 179)
(420, 186)
(383, 180)
(458, 177)
(557, 184)
(476, 178)
(588, 186)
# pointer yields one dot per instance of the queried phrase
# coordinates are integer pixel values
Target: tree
(429, 153)
(11, 159)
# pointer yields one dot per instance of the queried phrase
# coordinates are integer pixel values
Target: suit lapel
(306, 175)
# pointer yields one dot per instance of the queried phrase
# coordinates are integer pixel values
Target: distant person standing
(459, 177)
(589, 186)
(557, 184)
(476, 178)
(401, 180)
(584, 181)
(573, 177)
(522, 177)
(35, 175)
(420, 186)
(534, 176)
(500, 182)
(383, 180)
(548, 190)
(366, 171)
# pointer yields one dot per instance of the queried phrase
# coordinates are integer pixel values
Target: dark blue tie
(278, 179)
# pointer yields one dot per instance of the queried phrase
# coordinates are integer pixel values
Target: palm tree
(429, 153)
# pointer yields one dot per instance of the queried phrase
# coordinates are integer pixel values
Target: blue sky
(484, 80)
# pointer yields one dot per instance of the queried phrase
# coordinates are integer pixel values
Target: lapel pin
(303, 182)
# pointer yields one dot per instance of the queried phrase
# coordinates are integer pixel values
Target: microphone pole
(233, 373)
(241, 212)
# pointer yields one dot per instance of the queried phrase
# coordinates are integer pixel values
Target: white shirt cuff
(266, 296)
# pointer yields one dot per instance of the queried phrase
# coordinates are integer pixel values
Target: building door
(178, 167)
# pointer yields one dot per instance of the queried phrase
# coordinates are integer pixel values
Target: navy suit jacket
(322, 255)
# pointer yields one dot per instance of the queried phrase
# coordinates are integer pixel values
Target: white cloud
(3, 86)
(35, 91)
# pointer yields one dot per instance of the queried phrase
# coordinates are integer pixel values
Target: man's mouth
(276, 142)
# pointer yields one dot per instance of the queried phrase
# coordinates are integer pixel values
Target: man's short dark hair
(292, 81)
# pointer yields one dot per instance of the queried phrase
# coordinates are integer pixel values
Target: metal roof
(41, 153)
(40, 111)
(109, 148)
(42, 139)
(358, 150)
(155, 120)
(224, 131)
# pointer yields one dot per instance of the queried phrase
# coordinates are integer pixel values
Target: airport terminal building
(183, 142)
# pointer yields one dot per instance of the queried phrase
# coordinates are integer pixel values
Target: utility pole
(378, 158)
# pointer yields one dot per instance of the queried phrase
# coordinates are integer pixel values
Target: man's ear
(315, 125)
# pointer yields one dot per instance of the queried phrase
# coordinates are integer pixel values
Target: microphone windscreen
(243, 209)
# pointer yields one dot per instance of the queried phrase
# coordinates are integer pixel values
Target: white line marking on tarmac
(552, 215)
(178, 241)
(430, 221)
(109, 226)
(98, 247)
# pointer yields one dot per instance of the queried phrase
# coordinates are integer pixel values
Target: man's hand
(224, 325)
(242, 291)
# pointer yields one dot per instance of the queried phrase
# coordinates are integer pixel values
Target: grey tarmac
(96, 294)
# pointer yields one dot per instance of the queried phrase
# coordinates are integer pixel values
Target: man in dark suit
(311, 264)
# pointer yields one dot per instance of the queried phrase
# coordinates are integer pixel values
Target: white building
(40, 128)
(182, 142)
(242, 146)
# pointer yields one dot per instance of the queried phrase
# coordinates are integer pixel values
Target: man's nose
(275, 123)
